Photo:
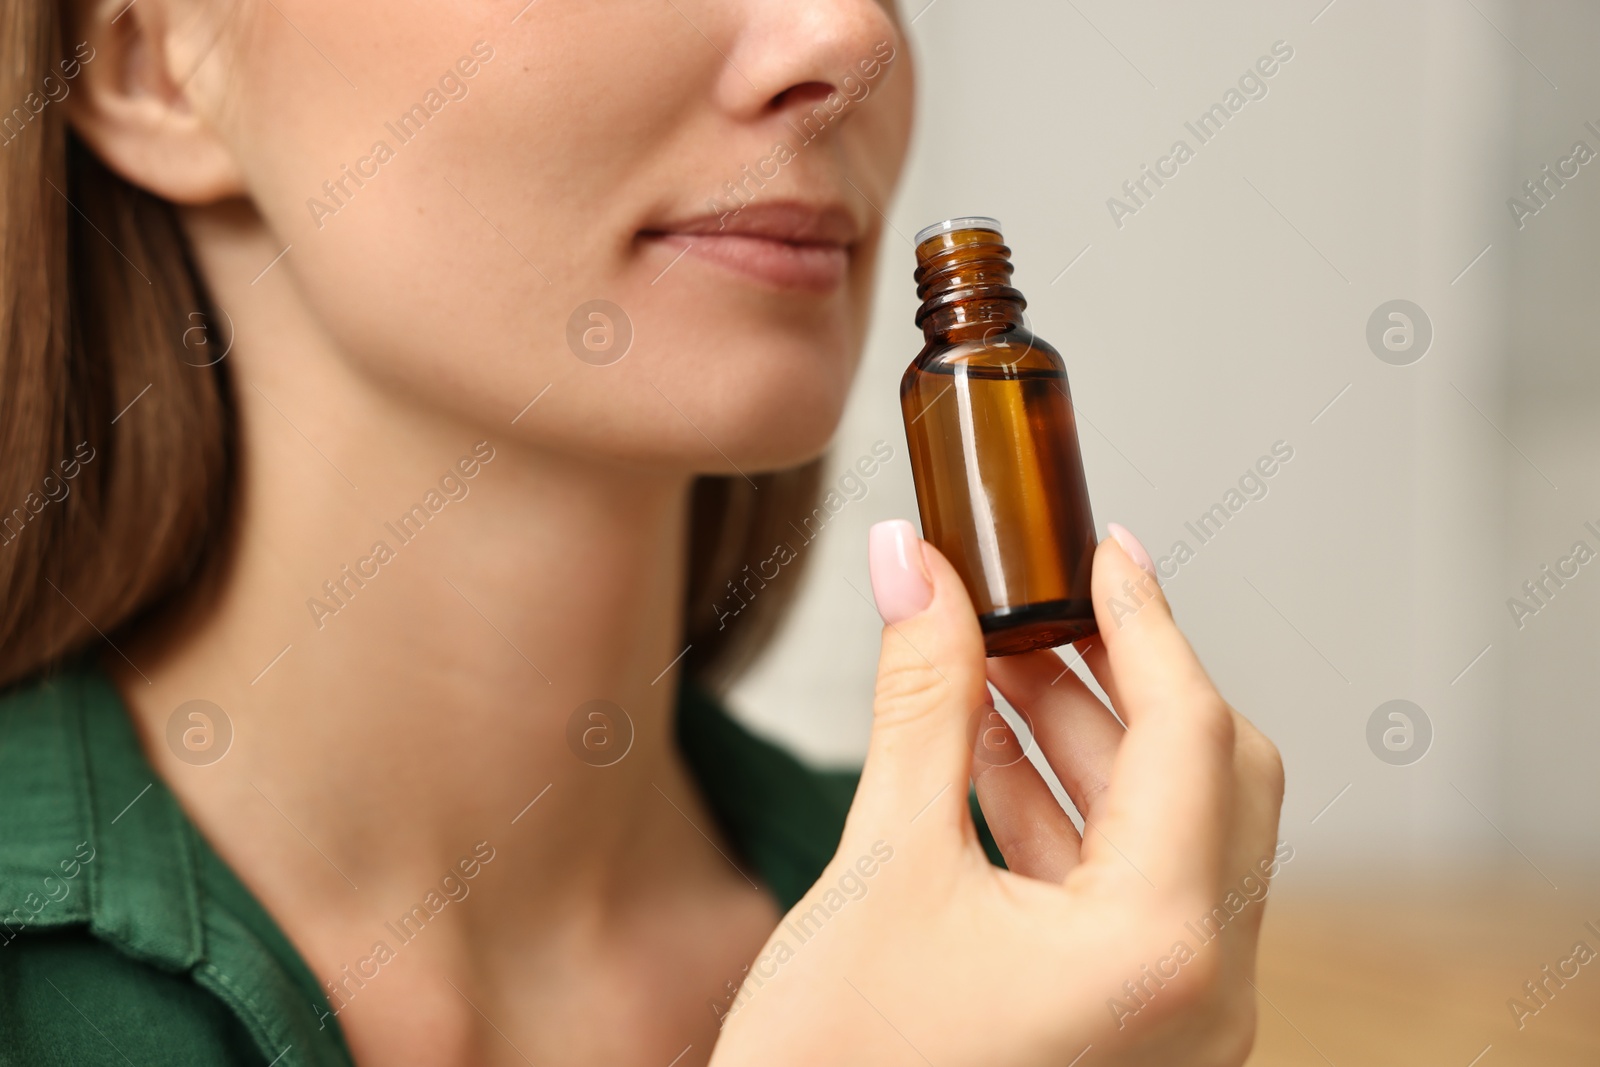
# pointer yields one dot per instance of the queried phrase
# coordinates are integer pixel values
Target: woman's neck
(410, 620)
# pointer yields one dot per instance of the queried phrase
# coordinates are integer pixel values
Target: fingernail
(900, 583)
(1130, 544)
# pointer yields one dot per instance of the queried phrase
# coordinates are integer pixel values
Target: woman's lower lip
(781, 264)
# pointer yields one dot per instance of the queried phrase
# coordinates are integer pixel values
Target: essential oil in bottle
(994, 445)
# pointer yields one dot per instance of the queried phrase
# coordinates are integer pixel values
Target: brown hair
(118, 435)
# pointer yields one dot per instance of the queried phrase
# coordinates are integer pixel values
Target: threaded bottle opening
(960, 261)
(967, 222)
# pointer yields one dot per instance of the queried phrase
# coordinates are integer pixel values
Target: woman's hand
(1135, 944)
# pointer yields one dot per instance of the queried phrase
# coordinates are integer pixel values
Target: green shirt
(124, 939)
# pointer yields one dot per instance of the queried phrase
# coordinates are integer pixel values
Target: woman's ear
(136, 99)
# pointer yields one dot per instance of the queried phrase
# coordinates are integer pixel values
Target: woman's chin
(764, 449)
(688, 442)
(764, 425)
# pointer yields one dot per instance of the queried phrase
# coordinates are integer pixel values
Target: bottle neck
(964, 280)
(972, 320)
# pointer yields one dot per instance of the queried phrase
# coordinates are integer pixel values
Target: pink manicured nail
(1130, 544)
(900, 582)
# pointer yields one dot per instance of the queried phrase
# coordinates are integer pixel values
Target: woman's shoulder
(122, 938)
(70, 998)
(783, 815)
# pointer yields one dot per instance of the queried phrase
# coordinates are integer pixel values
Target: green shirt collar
(95, 837)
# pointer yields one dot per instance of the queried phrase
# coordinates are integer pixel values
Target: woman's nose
(784, 55)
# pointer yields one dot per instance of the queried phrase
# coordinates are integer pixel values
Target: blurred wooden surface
(1413, 976)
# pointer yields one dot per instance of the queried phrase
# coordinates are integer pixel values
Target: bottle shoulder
(1017, 352)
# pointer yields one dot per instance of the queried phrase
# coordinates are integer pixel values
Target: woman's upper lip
(790, 221)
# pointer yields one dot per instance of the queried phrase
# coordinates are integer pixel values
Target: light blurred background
(1231, 313)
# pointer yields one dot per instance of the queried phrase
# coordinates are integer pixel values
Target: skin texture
(427, 714)
(374, 346)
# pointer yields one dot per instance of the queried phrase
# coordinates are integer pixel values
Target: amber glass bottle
(994, 446)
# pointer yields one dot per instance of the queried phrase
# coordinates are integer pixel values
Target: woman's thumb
(931, 688)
